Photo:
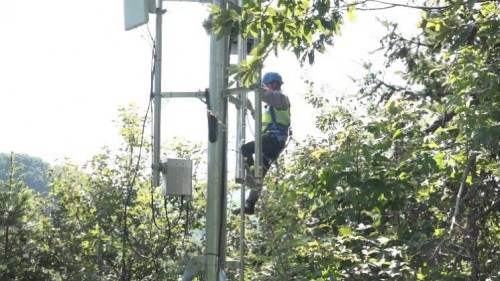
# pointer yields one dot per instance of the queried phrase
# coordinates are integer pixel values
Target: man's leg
(271, 147)
(252, 199)
(248, 149)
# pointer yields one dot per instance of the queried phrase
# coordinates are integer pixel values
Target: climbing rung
(200, 1)
(238, 90)
(235, 101)
(198, 94)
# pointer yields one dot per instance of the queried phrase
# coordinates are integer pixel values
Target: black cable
(130, 187)
(169, 223)
(223, 187)
(131, 184)
(186, 226)
(153, 63)
(212, 120)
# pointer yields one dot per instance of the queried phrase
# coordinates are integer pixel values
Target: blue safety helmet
(272, 77)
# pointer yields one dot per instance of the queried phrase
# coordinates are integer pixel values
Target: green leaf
(351, 9)
(439, 232)
(311, 194)
(367, 154)
(345, 231)
(431, 145)
(397, 133)
(439, 158)
(96, 230)
(391, 107)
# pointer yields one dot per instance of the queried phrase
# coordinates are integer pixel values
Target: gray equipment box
(177, 177)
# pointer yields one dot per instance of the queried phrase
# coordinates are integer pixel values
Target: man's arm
(275, 98)
(250, 108)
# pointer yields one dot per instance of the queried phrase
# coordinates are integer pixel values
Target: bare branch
(439, 247)
(470, 163)
(389, 5)
(472, 160)
(410, 6)
(376, 9)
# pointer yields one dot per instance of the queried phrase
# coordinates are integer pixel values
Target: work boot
(249, 210)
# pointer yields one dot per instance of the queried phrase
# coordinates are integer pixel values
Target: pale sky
(67, 65)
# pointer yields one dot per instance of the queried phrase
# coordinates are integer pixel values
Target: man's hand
(250, 108)
(256, 86)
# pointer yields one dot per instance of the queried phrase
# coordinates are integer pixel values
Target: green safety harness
(281, 131)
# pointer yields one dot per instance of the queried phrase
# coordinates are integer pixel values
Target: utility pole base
(193, 268)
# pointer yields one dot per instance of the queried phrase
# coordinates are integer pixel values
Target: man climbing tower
(275, 124)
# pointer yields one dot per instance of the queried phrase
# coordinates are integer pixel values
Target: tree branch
(439, 247)
(440, 122)
(472, 160)
(390, 5)
(410, 6)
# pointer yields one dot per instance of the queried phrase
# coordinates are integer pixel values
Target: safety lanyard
(275, 124)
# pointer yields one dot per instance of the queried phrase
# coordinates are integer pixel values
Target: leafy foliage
(408, 188)
(101, 221)
(303, 27)
(20, 255)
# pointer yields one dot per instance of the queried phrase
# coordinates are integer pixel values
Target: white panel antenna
(136, 13)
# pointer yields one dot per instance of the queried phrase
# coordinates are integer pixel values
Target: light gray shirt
(275, 98)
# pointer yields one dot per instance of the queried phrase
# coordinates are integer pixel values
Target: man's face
(273, 85)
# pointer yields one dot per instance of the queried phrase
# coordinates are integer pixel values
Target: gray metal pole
(216, 206)
(241, 116)
(240, 161)
(258, 125)
(157, 96)
(258, 133)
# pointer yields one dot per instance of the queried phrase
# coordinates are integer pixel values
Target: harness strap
(277, 127)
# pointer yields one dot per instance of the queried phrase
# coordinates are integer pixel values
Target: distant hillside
(34, 170)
